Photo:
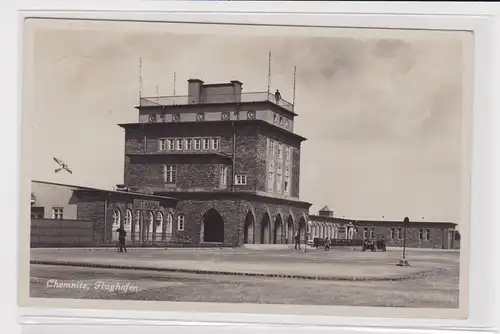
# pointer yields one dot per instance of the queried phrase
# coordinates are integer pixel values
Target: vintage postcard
(245, 168)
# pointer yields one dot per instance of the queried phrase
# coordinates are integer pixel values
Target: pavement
(338, 264)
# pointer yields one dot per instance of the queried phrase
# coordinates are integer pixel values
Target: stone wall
(61, 233)
(234, 214)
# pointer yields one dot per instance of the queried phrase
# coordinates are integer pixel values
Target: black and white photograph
(224, 164)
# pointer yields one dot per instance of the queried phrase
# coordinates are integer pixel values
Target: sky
(383, 112)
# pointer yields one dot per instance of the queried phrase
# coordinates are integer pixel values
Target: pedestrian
(297, 241)
(122, 234)
(383, 244)
(277, 96)
(327, 244)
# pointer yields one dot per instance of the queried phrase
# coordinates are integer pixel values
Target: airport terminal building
(218, 167)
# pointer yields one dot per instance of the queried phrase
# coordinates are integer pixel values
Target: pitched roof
(325, 208)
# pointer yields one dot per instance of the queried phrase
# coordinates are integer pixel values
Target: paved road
(440, 291)
(338, 262)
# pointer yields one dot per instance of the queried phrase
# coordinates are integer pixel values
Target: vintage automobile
(368, 244)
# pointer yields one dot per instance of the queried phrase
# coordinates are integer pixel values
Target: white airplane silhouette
(62, 167)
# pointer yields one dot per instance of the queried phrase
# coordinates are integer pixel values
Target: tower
(231, 158)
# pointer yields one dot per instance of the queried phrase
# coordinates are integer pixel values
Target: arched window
(159, 227)
(168, 228)
(127, 224)
(137, 225)
(151, 222)
(116, 223)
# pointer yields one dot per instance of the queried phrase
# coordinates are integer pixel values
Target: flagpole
(269, 74)
(140, 79)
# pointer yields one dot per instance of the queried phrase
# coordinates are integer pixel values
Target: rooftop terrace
(216, 98)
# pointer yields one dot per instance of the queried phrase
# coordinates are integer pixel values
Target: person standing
(327, 244)
(122, 234)
(297, 241)
(277, 96)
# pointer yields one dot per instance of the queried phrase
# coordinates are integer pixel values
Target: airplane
(63, 166)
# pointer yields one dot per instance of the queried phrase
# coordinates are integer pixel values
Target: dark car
(368, 244)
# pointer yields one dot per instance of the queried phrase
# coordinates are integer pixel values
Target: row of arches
(279, 232)
(324, 230)
(155, 227)
(143, 226)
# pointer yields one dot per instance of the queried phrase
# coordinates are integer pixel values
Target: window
(240, 179)
(162, 144)
(271, 147)
(170, 172)
(428, 235)
(189, 144)
(206, 143)
(116, 219)
(170, 144)
(278, 182)
(179, 144)
(286, 185)
(180, 222)
(372, 233)
(393, 233)
(398, 233)
(127, 224)
(281, 121)
(197, 144)
(280, 151)
(57, 213)
(159, 226)
(270, 182)
(365, 233)
(421, 234)
(275, 118)
(215, 143)
(151, 221)
(170, 220)
(223, 176)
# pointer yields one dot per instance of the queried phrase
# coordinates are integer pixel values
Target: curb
(418, 275)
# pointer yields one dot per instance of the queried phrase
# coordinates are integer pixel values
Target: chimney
(237, 89)
(194, 91)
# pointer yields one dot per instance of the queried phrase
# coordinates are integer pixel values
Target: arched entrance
(302, 230)
(289, 237)
(278, 230)
(265, 229)
(213, 227)
(248, 228)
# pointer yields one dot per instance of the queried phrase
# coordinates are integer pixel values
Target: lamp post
(403, 262)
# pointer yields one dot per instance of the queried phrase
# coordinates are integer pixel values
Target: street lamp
(403, 262)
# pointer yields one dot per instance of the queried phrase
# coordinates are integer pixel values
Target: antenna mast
(294, 85)
(140, 79)
(269, 74)
(175, 77)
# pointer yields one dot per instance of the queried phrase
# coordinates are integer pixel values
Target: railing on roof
(215, 98)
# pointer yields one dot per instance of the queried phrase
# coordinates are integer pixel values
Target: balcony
(160, 101)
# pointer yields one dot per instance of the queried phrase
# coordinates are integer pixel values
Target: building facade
(148, 219)
(419, 234)
(230, 158)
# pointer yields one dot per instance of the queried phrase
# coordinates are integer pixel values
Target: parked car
(368, 244)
